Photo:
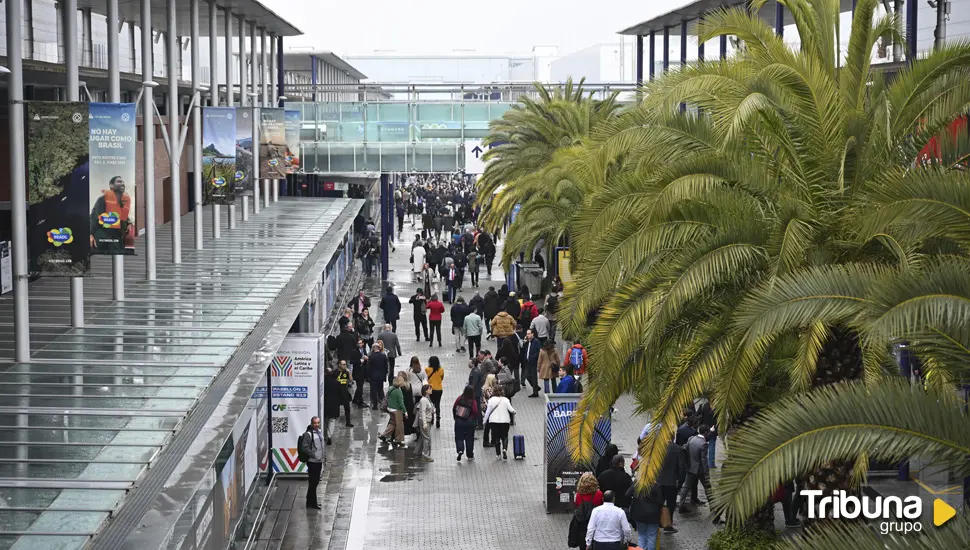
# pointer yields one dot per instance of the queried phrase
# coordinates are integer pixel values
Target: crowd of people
(523, 331)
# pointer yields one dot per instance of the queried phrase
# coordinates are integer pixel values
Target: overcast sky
(441, 26)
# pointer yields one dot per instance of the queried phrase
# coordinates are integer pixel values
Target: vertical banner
(294, 376)
(562, 474)
(293, 123)
(58, 237)
(113, 137)
(562, 265)
(244, 150)
(272, 144)
(6, 268)
(218, 155)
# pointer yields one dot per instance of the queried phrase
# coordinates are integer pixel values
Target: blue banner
(218, 155)
(112, 142)
(562, 474)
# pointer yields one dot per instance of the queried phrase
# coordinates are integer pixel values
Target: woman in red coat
(435, 310)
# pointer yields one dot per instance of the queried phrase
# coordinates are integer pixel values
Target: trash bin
(530, 275)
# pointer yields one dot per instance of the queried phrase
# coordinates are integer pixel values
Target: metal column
(275, 186)
(897, 45)
(230, 101)
(18, 180)
(639, 60)
(254, 101)
(683, 55)
(313, 77)
(912, 15)
(148, 136)
(779, 18)
(939, 34)
(71, 85)
(264, 80)
(243, 96)
(279, 67)
(652, 55)
(723, 46)
(196, 126)
(114, 96)
(174, 131)
(666, 52)
(214, 89)
(700, 44)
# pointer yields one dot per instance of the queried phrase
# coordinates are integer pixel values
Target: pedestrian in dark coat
(391, 307)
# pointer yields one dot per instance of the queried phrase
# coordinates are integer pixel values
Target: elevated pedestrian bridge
(394, 127)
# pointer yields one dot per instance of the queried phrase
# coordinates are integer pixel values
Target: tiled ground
(375, 498)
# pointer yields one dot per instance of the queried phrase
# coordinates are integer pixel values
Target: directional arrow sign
(473, 157)
(477, 150)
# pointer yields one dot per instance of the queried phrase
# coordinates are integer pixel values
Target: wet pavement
(373, 497)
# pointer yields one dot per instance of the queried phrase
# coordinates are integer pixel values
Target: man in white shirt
(608, 527)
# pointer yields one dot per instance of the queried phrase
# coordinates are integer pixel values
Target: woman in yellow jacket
(436, 378)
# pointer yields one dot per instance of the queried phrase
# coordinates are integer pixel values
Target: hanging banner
(244, 150)
(272, 144)
(562, 474)
(58, 236)
(218, 155)
(562, 265)
(6, 268)
(113, 137)
(293, 123)
(296, 374)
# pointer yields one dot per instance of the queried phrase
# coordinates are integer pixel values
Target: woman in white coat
(429, 278)
(418, 254)
(498, 416)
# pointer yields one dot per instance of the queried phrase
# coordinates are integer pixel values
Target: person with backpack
(466, 414)
(588, 496)
(569, 383)
(310, 452)
(548, 365)
(528, 313)
(577, 357)
(498, 416)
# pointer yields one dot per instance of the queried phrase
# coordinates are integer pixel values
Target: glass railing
(333, 156)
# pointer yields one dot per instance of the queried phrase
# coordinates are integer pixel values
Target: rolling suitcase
(518, 446)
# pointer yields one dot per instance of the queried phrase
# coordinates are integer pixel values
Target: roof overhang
(299, 60)
(250, 10)
(691, 12)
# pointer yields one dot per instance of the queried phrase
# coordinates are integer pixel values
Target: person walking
(541, 326)
(608, 527)
(377, 372)
(343, 378)
(424, 414)
(429, 280)
(645, 510)
(490, 307)
(435, 311)
(672, 471)
(474, 328)
(476, 377)
(498, 415)
(530, 361)
(390, 306)
(458, 313)
(548, 364)
(466, 413)
(364, 326)
(487, 391)
(358, 360)
(392, 346)
(311, 445)
(396, 410)
(568, 383)
(474, 267)
(436, 378)
(420, 304)
(503, 326)
(617, 480)
(577, 357)
(359, 303)
(511, 354)
(331, 403)
(418, 256)
(697, 469)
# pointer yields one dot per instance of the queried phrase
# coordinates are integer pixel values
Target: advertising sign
(113, 137)
(294, 377)
(218, 155)
(272, 144)
(244, 150)
(6, 268)
(562, 265)
(293, 122)
(562, 474)
(58, 189)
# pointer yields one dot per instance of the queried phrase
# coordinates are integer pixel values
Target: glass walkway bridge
(387, 127)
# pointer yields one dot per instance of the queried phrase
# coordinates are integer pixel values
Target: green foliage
(56, 145)
(742, 539)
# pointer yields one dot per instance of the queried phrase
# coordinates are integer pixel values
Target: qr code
(281, 425)
(565, 497)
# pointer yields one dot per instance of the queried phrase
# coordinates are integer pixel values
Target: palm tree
(528, 138)
(783, 238)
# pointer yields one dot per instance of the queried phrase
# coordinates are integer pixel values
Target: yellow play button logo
(942, 512)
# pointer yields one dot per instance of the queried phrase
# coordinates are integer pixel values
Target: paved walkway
(376, 498)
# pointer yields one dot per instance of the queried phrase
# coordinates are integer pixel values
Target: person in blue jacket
(568, 382)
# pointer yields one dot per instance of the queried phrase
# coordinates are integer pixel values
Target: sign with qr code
(295, 375)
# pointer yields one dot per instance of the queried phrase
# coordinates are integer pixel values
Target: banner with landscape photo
(244, 150)
(58, 188)
(218, 155)
(272, 144)
(292, 136)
